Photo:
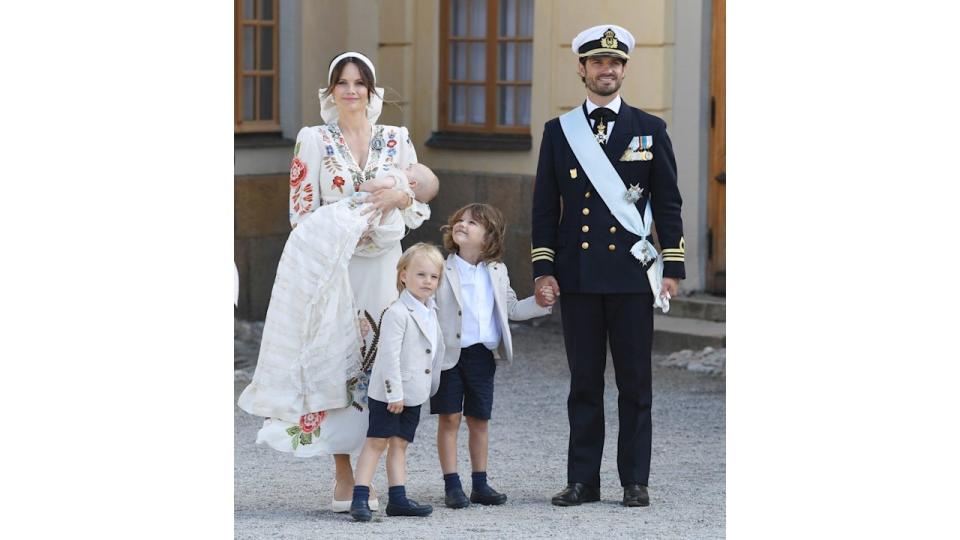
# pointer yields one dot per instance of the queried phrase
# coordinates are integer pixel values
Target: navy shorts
(467, 386)
(385, 424)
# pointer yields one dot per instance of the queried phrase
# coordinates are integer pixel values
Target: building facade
(474, 81)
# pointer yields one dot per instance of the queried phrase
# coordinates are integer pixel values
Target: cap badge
(609, 40)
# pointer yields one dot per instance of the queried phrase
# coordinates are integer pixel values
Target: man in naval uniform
(599, 166)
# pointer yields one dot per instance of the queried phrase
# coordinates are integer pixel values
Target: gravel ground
(279, 496)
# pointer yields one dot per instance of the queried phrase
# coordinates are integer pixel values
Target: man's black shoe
(576, 494)
(635, 495)
(413, 509)
(361, 511)
(456, 498)
(487, 496)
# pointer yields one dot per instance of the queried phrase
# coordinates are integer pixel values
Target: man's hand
(671, 286)
(546, 290)
(384, 200)
(396, 407)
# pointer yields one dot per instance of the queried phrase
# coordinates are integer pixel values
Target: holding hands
(546, 290)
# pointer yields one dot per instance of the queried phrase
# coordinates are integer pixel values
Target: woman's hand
(384, 200)
(396, 407)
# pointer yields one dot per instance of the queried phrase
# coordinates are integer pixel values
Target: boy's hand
(396, 407)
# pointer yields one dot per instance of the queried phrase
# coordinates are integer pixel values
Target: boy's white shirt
(479, 321)
(507, 308)
(411, 348)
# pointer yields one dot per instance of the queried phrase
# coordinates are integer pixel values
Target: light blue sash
(607, 182)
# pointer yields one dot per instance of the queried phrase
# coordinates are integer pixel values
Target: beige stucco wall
(330, 27)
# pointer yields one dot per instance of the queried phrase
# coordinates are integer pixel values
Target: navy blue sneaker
(456, 498)
(361, 511)
(411, 509)
(486, 495)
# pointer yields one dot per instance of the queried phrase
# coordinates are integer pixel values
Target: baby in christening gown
(310, 350)
(378, 238)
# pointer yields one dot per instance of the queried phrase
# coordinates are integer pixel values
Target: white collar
(613, 105)
(462, 263)
(411, 301)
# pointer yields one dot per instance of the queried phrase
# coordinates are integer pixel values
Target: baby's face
(422, 181)
(412, 172)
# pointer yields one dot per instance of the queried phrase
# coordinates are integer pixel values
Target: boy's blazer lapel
(453, 276)
(418, 317)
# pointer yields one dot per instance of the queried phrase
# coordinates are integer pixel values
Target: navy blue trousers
(589, 322)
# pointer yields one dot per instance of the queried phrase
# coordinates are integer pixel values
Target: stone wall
(261, 226)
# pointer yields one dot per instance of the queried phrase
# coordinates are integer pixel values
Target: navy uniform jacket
(575, 237)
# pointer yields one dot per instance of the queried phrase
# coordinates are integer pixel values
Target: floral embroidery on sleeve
(301, 195)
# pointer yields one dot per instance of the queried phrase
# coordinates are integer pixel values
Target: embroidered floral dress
(323, 172)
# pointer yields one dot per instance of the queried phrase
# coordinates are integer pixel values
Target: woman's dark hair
(366, 76)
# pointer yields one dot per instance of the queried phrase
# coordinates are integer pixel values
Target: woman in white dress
(331, 162)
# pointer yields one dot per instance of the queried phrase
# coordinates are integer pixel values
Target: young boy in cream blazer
(475, 303)
(405, 374)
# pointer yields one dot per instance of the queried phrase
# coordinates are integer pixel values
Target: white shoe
(344, 506)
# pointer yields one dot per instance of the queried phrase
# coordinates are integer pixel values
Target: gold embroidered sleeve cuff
(673, 254)
(541, 254)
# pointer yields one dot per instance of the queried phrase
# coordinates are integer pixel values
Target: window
(256, 55)
(486, 64)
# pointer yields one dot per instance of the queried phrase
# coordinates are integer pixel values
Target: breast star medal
(633, 193)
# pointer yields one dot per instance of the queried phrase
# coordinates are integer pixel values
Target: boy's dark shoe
(635, 495)
(576, 494)
(486, 495)
(413, 509)
(361, 511)
(456, 498)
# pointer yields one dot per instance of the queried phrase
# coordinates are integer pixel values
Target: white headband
(351, 54)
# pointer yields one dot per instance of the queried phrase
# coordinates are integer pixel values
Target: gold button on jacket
(585, 228)
(612, 247)
(585, 245)
(586, 211)
(586, 195)
(613, 230)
